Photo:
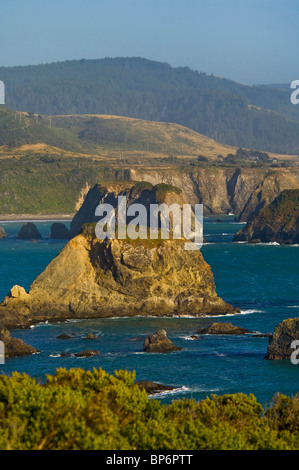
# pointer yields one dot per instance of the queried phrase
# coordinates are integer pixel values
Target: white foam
(182, 389)
(247, 312)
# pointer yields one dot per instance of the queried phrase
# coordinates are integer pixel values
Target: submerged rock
(13, 346)
(159, 343)
(280, 342)
(92, 278)
(277, 222)
(29, 231)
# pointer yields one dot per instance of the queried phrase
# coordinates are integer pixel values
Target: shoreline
(38, 217)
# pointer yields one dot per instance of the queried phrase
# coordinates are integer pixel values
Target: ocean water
(262, 280)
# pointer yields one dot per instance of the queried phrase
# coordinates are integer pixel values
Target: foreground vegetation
(79, 409)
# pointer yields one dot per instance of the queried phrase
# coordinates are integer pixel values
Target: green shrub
(79, 409)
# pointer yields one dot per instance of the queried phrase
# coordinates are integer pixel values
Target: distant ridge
(259, 117)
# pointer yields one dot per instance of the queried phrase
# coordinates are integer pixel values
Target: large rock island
(277, 222)
(93, 278)
(281, 344)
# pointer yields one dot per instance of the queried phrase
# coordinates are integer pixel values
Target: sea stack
(29, 231)
(111, 277)
(93, 278)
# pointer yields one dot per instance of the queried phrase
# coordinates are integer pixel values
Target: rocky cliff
(277, 222)
(242, 191)
(105, 278)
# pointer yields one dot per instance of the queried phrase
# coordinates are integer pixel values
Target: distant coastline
(37, 217)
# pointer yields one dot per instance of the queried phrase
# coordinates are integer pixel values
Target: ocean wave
(248, 311)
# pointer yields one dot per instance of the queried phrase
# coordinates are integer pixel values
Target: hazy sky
(250, 41)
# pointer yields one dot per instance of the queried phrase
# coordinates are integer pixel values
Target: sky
(249, 41)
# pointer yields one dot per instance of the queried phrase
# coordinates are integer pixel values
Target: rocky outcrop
(278, 222)
(59, 231)
(13, 346)
(92, 278)
(3, 234)
(29, 231)
(280, 342)
(222, 329)
(159, 343)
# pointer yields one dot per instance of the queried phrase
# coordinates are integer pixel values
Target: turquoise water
(262, 280)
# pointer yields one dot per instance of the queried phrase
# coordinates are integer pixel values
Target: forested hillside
(257, 117)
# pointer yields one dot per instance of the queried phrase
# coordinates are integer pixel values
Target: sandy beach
(38, 217)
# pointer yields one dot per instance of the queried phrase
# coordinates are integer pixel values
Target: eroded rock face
(92, 278)
(14, 346)
(29, 231)
(278, 222)
(159, 343)
(280, 342)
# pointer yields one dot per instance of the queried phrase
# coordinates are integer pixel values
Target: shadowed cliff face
(277, 222)
(104, 278)
(243, 191)
(136, 193)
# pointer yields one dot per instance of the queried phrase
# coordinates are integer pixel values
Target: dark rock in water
(90, 336)
(276, 223)
(280, 342)
(159, 342)
(63, 336)
(194, 337)
(59, 231)
(152, 387)
(3, 234)
(13, 346)
(88, 353)
(223, 329)
(29, 231)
